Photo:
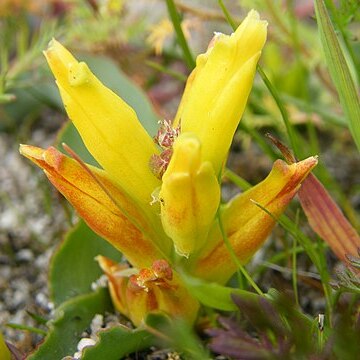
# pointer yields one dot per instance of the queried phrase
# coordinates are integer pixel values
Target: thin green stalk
(27, 328)
(316, 256)
(321, 322)
(228, 17)
(175, 74)
(283, 111)
(294, 265)
(237, 180)
(234, 257)
(175, 18)
(259, 138)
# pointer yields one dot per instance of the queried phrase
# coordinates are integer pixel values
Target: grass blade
(339, 70)
(175, 19)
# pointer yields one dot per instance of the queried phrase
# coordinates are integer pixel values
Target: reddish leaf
(327, 220)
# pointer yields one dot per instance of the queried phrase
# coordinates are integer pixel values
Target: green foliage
(339, 71)
(270, 326)
(178, 335)
(117, 342)
(70, 320)
(214, 295)
(273, 329)
(73, 267)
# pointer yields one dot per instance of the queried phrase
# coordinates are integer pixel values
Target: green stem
(234, 257)
(294, 265)
(175, 74)
(228, 17)
(237, 180)
(27, 328)
(283, 111)
(175, 18)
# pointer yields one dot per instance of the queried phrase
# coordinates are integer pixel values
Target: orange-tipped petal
(108, 126)
(117, 219)
(154, 289)
(247, 225)
(117, 282)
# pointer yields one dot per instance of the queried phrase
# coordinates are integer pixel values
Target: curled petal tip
(33, 153)
(246, 224)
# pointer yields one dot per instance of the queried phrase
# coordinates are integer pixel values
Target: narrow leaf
(339, 70)
(214, 295)
(327, 220)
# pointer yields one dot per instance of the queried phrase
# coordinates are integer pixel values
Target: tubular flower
(217, 90)
(246, 224)
(182, 171)
(189, 196)
(154, 289)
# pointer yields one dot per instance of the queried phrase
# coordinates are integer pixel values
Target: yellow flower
(217, 90)
(184, 171)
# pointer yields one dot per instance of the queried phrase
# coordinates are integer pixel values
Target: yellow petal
(189, 196)
(119, 221)
(216, 92)
(154, 289)
(108, 126)
(246, 225)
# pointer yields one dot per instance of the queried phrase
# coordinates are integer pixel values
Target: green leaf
(4, 351)
(117, 342)
(71, 319)
(118, 82)
(73, 268)
(339, 70)
(214, 295)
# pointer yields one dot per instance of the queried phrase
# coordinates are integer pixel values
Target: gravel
(29, 232)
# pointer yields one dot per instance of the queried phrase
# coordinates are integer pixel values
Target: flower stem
(228, 17)
(234, 257)
(175, 18)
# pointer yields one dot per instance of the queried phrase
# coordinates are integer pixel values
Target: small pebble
(25, 255)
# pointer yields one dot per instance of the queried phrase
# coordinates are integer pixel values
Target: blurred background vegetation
(133, 48)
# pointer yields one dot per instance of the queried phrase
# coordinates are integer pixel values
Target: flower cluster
(181, 230)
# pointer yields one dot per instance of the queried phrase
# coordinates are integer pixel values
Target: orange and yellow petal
(110, 212)
(246, 224)
(150, 290)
